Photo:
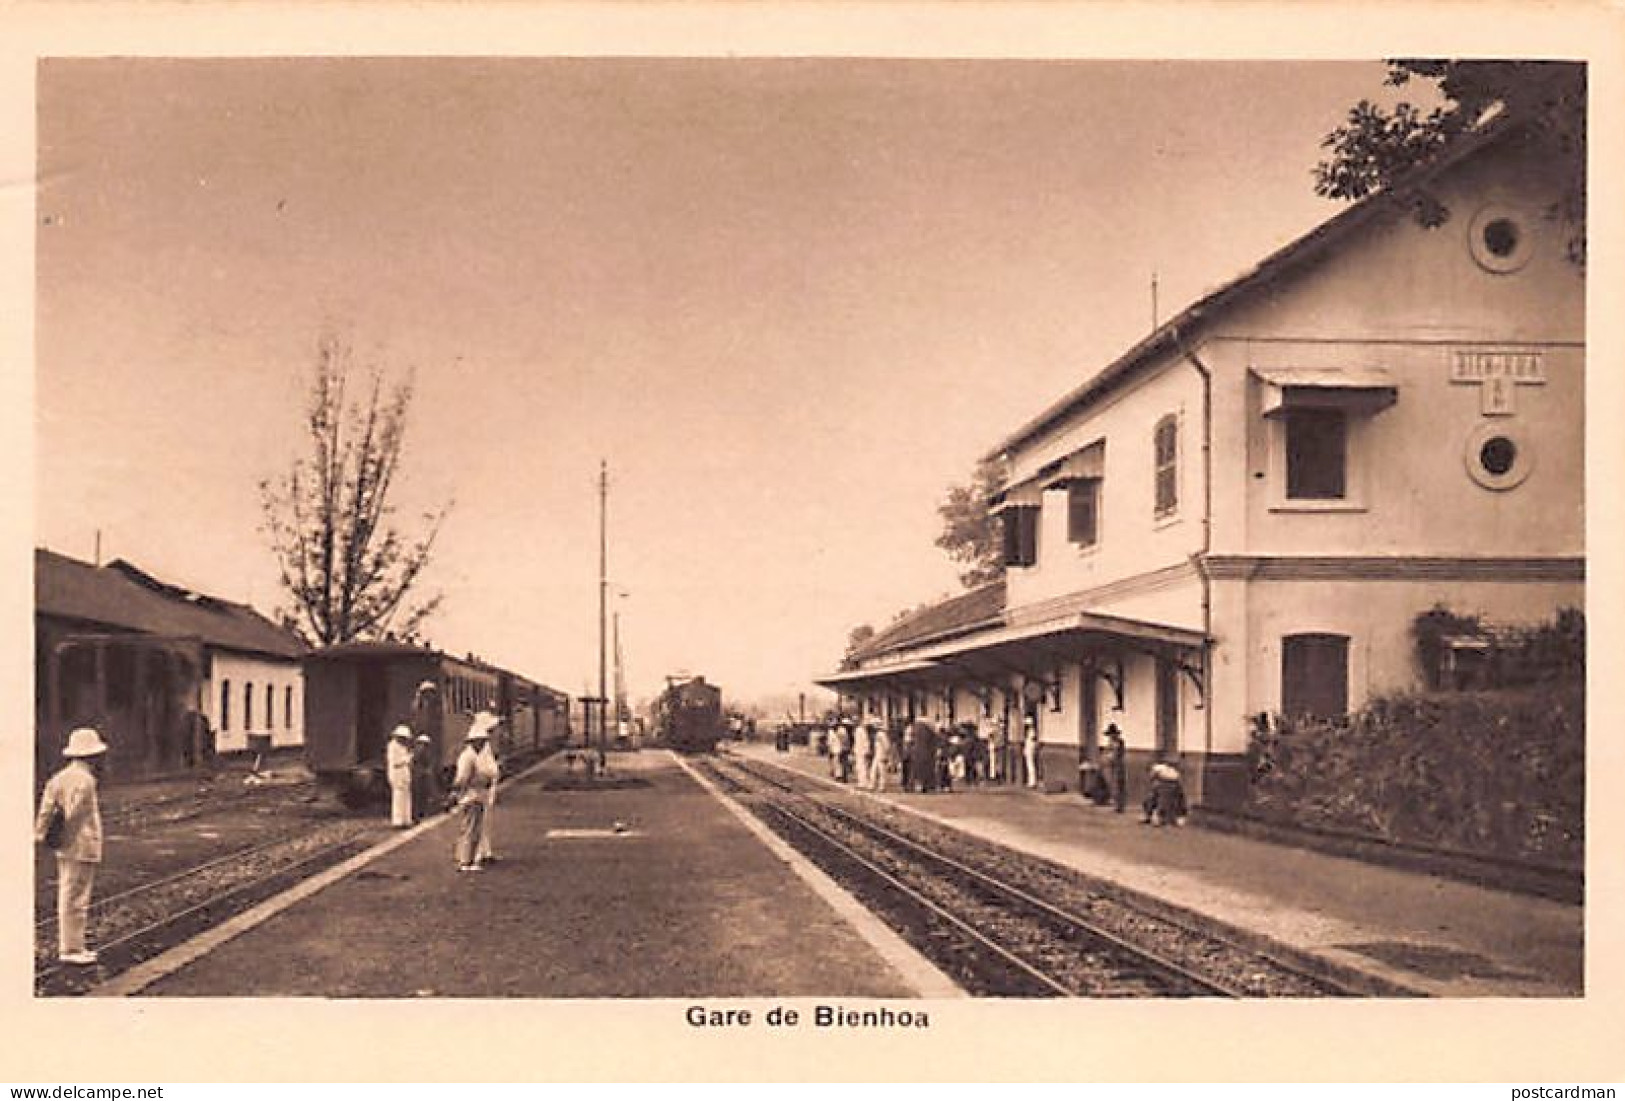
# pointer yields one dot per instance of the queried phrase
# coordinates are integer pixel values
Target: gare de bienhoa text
(820, 1016)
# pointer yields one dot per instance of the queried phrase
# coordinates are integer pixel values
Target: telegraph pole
(603, 597)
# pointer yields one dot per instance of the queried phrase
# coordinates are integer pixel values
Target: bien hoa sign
(1498, 374)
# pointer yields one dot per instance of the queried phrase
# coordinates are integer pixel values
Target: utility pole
(603, 598)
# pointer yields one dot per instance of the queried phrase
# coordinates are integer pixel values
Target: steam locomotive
(688, 715)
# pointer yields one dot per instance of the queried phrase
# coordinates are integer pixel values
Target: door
(372, 710)
(1167, 707)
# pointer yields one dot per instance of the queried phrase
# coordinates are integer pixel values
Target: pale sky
(789, 301)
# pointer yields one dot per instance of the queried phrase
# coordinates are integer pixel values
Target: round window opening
(1497, 456)
(1500, 239)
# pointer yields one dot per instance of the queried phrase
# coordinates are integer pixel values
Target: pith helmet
(403, 732)
(85, 742)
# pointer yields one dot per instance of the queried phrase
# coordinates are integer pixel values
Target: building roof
(1289, 259)
(123, 597)
(957, 615)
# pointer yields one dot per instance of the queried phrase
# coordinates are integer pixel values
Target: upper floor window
(1166, 446)
(1020, 523)
(1083, 511)
(1315, 675)
(1316, 455)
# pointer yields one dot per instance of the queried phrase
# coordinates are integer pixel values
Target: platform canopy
(1029, 649)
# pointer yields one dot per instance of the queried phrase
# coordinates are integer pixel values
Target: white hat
(425, 739)
(480, 727)
(403, 732)
(85, 742)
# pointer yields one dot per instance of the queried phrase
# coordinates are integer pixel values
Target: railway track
(139, 923)
(1000, 927)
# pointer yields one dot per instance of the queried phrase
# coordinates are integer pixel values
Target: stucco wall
(239, 670)
(1133, 540)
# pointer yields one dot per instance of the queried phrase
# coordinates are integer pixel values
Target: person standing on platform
(998, 746)
(881, 765)
(863, 750)
(1117, 766)
(922, 764)
(1029, 748)
(485, 853)
(398, 769)
(423, 778)
(70, 822)
(470, 787)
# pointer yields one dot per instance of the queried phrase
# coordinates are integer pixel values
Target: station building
(168, 675)
(1246, 511)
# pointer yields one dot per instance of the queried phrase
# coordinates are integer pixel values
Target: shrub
(1500, 773)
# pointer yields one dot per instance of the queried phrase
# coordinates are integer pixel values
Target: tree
(860, 634)
(970, 533)
(346, 568)
(1376, 149)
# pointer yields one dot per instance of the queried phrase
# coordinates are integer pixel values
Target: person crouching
(471, 788)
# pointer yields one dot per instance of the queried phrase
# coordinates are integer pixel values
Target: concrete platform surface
(1431, 935)
(684, 903)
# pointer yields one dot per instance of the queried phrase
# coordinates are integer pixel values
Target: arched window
(1166, 446)
(1315, 675)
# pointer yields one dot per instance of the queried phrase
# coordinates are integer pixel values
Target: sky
(789, 302)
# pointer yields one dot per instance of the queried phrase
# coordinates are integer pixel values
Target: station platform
(684, 900)
(1428, 935)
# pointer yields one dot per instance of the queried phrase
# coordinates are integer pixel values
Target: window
(1316, 455)
(1083, 512)
(1166, 446)
(287, 707)
(248, 706)
(270, 706)
(1315, 675)
(1020, 535)
(225, 705)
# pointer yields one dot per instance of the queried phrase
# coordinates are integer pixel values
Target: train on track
(688, 715)
(357, 692)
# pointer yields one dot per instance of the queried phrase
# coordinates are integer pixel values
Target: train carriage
(356, 693)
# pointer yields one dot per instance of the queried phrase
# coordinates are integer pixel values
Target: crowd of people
(921, 755)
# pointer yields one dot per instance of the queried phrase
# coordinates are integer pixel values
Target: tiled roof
(954, 616)
(121, 596)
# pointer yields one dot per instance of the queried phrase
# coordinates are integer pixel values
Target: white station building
(1246, 512)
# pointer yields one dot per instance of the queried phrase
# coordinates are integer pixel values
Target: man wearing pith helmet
(71, 796)
(476, 775)
(398, 766)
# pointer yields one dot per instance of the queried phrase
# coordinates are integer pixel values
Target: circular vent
(1498, 455)
(1501, 239)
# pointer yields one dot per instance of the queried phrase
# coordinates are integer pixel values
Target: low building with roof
(170, 676)
(1246, 512)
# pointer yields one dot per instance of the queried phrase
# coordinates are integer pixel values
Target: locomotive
(688, 715)
(357, 692)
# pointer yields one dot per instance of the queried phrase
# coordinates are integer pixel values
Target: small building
(168, 675)
(1246, 512)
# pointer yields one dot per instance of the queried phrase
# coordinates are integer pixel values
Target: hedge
(1497, 773)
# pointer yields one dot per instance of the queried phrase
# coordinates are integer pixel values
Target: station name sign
(1497, 374)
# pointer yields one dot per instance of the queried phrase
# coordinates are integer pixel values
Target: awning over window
(1090, 462)
(1363, 390)
(1027, 494)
